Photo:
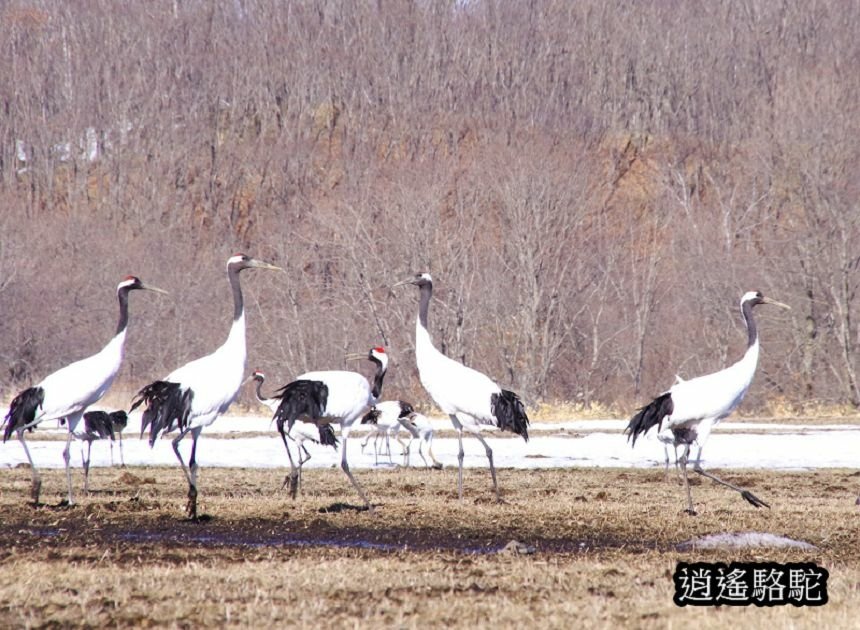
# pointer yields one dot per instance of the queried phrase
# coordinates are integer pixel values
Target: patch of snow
(744, 540)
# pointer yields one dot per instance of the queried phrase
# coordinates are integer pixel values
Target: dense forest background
(592, 183)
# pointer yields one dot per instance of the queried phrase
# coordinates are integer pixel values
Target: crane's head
(754, 298)
(239, 262)
(131, 283)
(419, 280)
(376, 354)
(258, 375)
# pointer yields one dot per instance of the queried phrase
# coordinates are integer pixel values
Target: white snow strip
(744, 540)
(778, 447)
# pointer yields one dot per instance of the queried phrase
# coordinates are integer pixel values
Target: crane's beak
(149, 287)
(402, 282)
(355, 356)
(767, 300)
(260, 264)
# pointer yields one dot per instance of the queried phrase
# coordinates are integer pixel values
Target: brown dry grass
(605, 543)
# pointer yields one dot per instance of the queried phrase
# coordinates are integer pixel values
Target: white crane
(335, 396)
(70, 390)
(100, 425)
(692, 408)
(300, 433)
(470, 398)
(385, 420)
(194, 395)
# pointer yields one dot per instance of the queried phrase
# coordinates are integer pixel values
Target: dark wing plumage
(371, 417)
(300, 398)
(510, 414)
(649, 415)
(22, 411)
(119, 419)
(167, 407)
(405, 409)
(327, 436)
(98, 424)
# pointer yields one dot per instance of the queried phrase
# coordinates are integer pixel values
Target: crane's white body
(73, 388)
(459, 391)
(215, 379)
(705, 400)
(349, 397)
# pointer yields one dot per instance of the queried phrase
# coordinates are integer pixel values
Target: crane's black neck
(260, 396)
(122, 324)
(238, 303)
(378, 378)
(752, 331)
(426, 290)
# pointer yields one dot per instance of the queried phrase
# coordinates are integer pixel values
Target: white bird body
(73, 388)
(470, 398)
(456, 388)
(385, 419)
(66, 393)
(193, 396)
(349, 396)
(690, 409)
(215, 379)
(713, 396)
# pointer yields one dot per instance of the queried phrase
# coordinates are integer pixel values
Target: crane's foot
(437, 466)
(293, 480)
(191, 506)
(749, 497)
(35, 491)
(691, 512)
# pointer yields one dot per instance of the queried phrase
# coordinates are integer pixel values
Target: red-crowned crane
(194, 395)
(470, 398)
(385, 419)
(700, 403)
(300, 433)
(100, 425)
(70, 390)
(323, 398)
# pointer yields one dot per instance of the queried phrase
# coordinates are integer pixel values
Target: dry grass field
(605, 547)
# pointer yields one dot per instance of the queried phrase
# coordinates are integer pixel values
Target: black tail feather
(371, 417)
(327, 436)
(167, 408)
(405, 409)
(119, 419)
(510, 414)
(300, 398)
(22, 411)
(99, 424)
(650, 415)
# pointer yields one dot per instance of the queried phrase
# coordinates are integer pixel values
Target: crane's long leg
(683, 462)
(192, 464)
(121, 456)
(86, 464)
(345, 466)
(190, 473)
(303, 461)
(36, 484)
(293, 477)
(492, 466)
(66, 458)
(460, 455)
(746, 494)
